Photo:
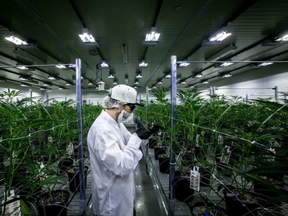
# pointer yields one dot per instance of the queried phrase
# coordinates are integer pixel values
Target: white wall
(255, 83)
(36, 93)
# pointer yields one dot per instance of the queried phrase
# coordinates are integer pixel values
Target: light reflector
(227, 75)
(199, 75)
(68, 84)
(90, 84)
(16, 40)
(160, 83)
(51, 78)
(111, 76)
(139, 76)
(168, 76)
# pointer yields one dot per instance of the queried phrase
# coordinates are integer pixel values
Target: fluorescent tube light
(226, 64)
(184, 64)
(220, 36)
(61, 66)
(21, 67)
(143, 64)
(16, 40)
(86, 37)
(153, 35)
(265, 64)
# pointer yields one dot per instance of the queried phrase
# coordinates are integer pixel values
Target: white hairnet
(109, 103)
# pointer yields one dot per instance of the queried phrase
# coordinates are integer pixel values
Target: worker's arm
(120, 162)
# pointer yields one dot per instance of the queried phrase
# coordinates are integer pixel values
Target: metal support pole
(146, 159)
(211, 91)
(173, 116)
(276, 93)
(247, 98)
(47, 97)
(80, 136)
(65, 98)
(31, 93)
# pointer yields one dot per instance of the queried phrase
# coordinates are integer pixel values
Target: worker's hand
(143, 133)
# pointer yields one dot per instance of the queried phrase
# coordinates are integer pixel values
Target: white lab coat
(114, 154)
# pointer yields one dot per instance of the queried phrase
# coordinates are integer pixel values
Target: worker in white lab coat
(114, 154)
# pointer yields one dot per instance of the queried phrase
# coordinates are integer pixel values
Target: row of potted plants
(39, 152)
(243, 143)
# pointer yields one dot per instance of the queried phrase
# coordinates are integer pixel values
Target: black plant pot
(164, 164)
(73, 176)
(237, 206)
(65, 164)
(182, 190)
(57, 207)
(158, 151)
(152, 143)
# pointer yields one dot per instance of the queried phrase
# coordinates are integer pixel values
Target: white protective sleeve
(120, 162)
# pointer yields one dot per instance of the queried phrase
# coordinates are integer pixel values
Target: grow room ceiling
(53, 28)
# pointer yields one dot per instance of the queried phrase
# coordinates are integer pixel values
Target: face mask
(124, 116)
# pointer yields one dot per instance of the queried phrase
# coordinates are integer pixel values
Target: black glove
(143, 133)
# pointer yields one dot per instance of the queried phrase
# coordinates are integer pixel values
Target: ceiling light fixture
(21, 67)
(60, 66)
(135, 87)
(168, 76)
(115, 82)
(42, 89)
(24, 85)
(23, 78)
(220, 36)
(68, 84)
(136, 82)
(184, 64)
(226, 64)
(111, 76)
(104, 65)
(16, 40)
(143, 64)
(154, 87)
(160, 82)
(199, 75)
(46, 84)
(264, 64)
(139, 76)
(60, 88)
(191, 86)
(183, 82)
(283, 38)
(152, 36)
(86, 37)
(52, 78)
(205, 82)
(124, 53)
(226, 75)
(90, 84)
